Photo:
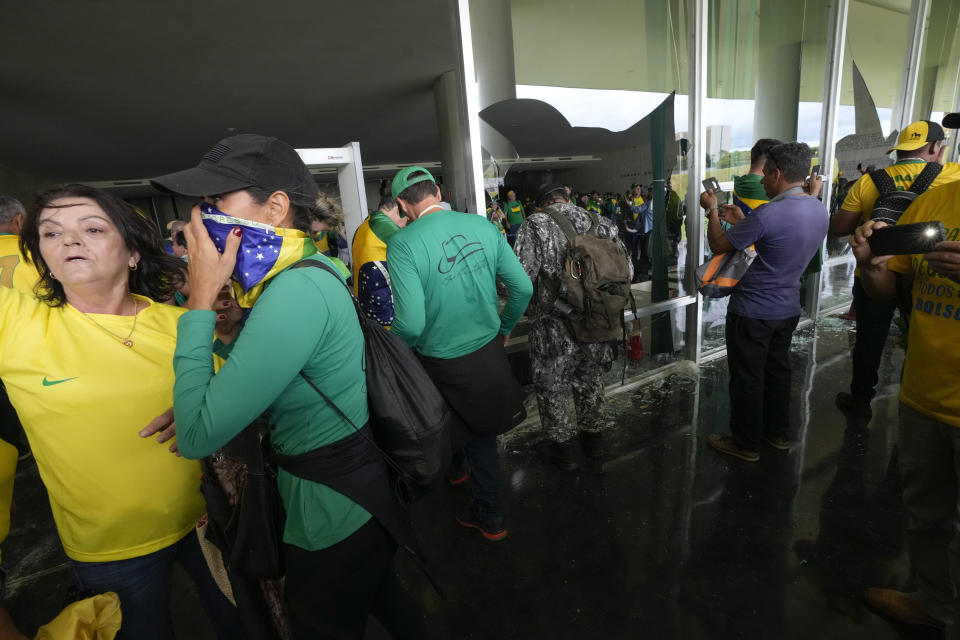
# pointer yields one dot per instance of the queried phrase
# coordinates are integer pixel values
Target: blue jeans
(483, 483)
(144, 583)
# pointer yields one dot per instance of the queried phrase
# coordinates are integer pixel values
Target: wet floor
(663, 539)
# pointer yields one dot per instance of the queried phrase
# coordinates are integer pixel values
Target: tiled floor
(664, 539)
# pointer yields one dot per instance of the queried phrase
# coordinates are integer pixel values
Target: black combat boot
(592, 443)
(560, 454)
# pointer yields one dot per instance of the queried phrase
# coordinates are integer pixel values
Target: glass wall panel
(660, 341)
(937, 81)
(601, 108)
(876, 40)
(837, 285)
(765, 69)
(629, 77)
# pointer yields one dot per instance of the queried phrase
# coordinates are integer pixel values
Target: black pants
(639, 244)
(331, 592)
(10, 429)
(873, 326)
(481, 389)
(758, 355)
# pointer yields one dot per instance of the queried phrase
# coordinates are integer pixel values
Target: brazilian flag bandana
(264, 251)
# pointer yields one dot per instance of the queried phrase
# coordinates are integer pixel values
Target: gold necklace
(127, 342)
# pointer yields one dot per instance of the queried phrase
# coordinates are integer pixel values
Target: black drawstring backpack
(409, 418)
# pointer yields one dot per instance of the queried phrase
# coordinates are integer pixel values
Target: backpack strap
(926, 177)
(305, 264)
(883, 181)
(386, 456)
(594, 223)
(563, 222)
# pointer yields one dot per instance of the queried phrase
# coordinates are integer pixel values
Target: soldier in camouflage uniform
(559, 362)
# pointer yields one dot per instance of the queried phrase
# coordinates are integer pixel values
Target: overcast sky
(617, 110)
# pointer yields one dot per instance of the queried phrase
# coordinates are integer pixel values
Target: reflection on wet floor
(662, 539)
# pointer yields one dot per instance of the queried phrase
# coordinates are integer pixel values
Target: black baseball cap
(242, 161)
(951, 121)
(547, 189)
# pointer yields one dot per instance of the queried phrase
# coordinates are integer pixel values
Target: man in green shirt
(748, 193)
(515, 216)
(443, 267)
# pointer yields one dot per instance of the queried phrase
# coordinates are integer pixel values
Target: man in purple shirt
(765, 306)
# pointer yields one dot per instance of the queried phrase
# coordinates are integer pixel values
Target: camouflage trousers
(562, 366)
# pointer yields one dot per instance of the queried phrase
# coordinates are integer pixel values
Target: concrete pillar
(450, 124)
(935, 68)
(492, 32)
(953, 152)
(655, 30)
(903, 108)
(458, 121)
(778, 71)
(460, 175)
(491, 29)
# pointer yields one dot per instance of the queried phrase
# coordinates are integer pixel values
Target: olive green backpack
(594, 283)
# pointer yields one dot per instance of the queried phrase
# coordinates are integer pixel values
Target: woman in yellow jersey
(87, 365)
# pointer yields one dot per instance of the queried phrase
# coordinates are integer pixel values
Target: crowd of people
(631, 212)
(155, 361)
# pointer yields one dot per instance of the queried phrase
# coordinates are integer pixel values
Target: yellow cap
(918, 134)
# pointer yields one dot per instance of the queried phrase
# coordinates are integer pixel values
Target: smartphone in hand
(905, 239)
(711, 184)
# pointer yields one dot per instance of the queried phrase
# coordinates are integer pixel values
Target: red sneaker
(494, 532)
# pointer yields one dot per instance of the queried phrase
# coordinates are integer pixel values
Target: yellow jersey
(82, 397)
(15, 270)
(863, 194)
(931, 372)
(367, 247)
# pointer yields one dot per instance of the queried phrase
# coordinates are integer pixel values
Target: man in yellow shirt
(919, 143)
(14, 270)
(929, 444)
(19, 273)
(8, 469)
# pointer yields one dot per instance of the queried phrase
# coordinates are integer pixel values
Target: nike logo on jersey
(50, 383)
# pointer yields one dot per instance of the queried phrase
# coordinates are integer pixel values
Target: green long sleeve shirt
(304, 320)
(443, 270)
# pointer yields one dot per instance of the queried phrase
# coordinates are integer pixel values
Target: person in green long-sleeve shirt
(261, 374)
(443, 272)
(443, 268)
(339, 558)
